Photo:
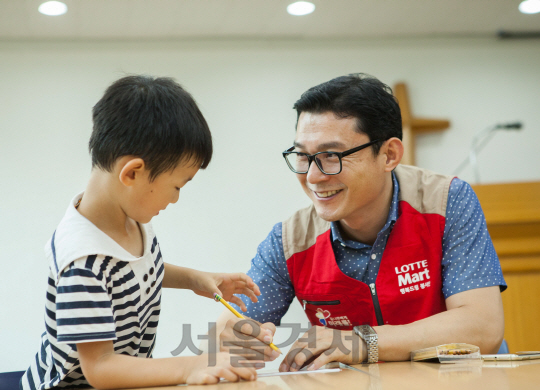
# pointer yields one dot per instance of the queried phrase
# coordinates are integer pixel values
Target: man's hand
(226, 285)
(248, 338)
(319, 346)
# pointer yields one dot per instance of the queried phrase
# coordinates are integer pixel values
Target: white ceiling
(118, 19)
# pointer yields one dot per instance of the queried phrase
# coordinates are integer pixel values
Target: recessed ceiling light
(53, 8)
(529, 6)
(301, 8)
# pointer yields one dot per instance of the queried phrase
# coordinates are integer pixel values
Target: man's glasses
(328, 162)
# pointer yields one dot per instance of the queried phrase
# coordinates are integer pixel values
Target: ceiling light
(53, 8)
(530, 7)
(301, 8)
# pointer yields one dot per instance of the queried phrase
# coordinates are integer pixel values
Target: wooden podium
(513, 219)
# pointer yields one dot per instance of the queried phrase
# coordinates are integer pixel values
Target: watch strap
(368, 334)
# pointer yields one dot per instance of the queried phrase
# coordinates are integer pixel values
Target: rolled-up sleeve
(269, 271)
(469, 258)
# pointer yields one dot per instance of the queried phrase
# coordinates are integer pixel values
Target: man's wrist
(358, 352)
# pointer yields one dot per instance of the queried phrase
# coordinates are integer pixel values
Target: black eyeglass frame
(311, 157)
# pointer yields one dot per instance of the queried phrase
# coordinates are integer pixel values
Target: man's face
(348, 195)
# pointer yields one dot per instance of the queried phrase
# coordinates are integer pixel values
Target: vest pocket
(304, 303)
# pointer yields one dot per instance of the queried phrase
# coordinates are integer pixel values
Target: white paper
(277, 373)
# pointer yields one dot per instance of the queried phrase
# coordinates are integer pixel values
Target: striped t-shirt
(96, 291)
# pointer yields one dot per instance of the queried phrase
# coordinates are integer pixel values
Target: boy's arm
(208, 283)
(269, 271)
(177, 277)
(104, 369)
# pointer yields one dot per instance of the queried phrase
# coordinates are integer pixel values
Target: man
(400, 249)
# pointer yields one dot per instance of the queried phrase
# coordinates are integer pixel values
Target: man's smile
(326, 194)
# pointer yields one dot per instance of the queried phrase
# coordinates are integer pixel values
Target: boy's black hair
(359, 96)
(151, 118)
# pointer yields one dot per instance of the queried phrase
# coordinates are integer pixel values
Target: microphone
(509, 126)
(479, 141)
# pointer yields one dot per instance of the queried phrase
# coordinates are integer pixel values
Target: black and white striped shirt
(96, 291)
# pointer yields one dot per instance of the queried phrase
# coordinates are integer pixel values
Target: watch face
(366, 329)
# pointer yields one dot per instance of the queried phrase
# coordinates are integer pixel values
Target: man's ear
(132, 170)
(393, 153)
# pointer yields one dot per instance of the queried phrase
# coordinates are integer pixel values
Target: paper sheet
(330, 367)
(277, 373)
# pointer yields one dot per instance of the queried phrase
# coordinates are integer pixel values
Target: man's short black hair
(359, 96)
(151, 118)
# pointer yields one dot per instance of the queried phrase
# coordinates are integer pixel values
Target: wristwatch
(368, 334)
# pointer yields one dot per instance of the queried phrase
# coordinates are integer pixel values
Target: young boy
(106, 271)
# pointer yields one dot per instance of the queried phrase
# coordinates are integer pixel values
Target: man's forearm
(475, 317)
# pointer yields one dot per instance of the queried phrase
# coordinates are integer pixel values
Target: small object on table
(523, 355)
(447, 353)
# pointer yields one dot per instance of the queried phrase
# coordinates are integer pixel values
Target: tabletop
(402, 375)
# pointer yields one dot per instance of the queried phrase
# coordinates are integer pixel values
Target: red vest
(408, 285)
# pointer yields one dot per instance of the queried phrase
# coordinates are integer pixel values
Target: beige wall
(246, 90)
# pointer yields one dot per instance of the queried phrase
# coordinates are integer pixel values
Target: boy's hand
(229, 367)
(226, 285)
(207, 284)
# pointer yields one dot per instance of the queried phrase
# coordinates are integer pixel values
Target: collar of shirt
(390, 220)
(77, 237)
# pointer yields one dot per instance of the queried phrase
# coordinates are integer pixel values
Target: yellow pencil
(233, 310)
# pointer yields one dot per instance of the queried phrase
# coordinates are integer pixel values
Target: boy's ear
(132, 170)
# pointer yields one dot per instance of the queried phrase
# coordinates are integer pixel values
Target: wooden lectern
(513, 219)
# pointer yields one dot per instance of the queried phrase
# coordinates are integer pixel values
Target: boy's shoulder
(76, 238)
